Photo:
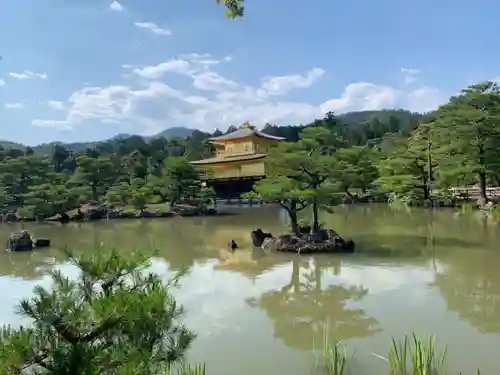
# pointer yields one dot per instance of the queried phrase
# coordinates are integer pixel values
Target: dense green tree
(113, 319)
(140, 194)
(180, 179)
(355, 168)
(404, 173)
(5, 199)
(205, 197)
(198, 147)
(119, 194)
(59, 157)
(285, 191)
(17, 175)
(136, 163)
(467, 132)
(49, 199)
(98, 173)
(410, 165)
(298, 171)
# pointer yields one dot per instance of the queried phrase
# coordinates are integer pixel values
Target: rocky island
(323, 241)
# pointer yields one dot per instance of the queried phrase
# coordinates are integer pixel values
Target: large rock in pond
(9, 217)
(63, 218)
(258, 237)
(324, 241)
(42, 242)
(20, 241)
(186, 210)
(94, 211)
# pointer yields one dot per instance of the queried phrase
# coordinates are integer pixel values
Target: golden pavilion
(239, 160)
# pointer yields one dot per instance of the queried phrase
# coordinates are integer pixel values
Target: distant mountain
(175, 132)
(120, 136)
(9, 144)
(46, 148)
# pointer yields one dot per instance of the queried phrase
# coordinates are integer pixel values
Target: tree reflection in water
(470, 285)
(301, 309)
(179, 242)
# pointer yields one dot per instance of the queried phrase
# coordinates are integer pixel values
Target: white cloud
(212, 81)
(283, 84)
(154, 28)
(424, 99)
(171, 66)
(57, 124)
(20, 75)
(385, 278)
(2, 82)
(116, 6)
(13, 105)
(111, 104)
(362, 96)
(56, 105)
(410, 75)
(27, 74)
(365, 96)
(188, 64)
(213, 100)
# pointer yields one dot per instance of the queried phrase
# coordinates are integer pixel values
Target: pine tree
(114, 319)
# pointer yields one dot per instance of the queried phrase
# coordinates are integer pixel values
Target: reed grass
(412, 355)
(333, 358)
(415, 356)
(185, 369)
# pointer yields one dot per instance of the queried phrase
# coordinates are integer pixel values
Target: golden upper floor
(246, 143)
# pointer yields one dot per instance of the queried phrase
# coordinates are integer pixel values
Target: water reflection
(428, 271)
(301, 308)
(470, 286)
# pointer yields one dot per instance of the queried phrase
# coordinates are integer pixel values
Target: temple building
(239, 161)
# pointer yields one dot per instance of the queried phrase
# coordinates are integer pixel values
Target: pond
(257, 312)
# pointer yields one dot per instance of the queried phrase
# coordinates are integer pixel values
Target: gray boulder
(42, 242)
(93, 211)
(258, 237)
(20, 241)
(9, 217)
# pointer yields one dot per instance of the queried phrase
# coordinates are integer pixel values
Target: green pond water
(263, 313)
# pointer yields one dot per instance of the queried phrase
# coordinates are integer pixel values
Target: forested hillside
(357, 120)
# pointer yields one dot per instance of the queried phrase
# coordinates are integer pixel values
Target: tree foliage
(128, 171)
(467, 132)
(234, 8)
(308, 172)
(115, 318)
(458, 147)
(53, 178)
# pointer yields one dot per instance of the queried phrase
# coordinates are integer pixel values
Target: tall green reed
(185, 369)
(333, 358)
(415, 356)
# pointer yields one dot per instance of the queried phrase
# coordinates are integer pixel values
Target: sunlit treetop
(234, 8)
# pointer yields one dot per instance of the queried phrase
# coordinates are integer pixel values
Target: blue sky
(86, 70)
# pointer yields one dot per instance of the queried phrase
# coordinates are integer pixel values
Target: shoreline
(91, 213)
